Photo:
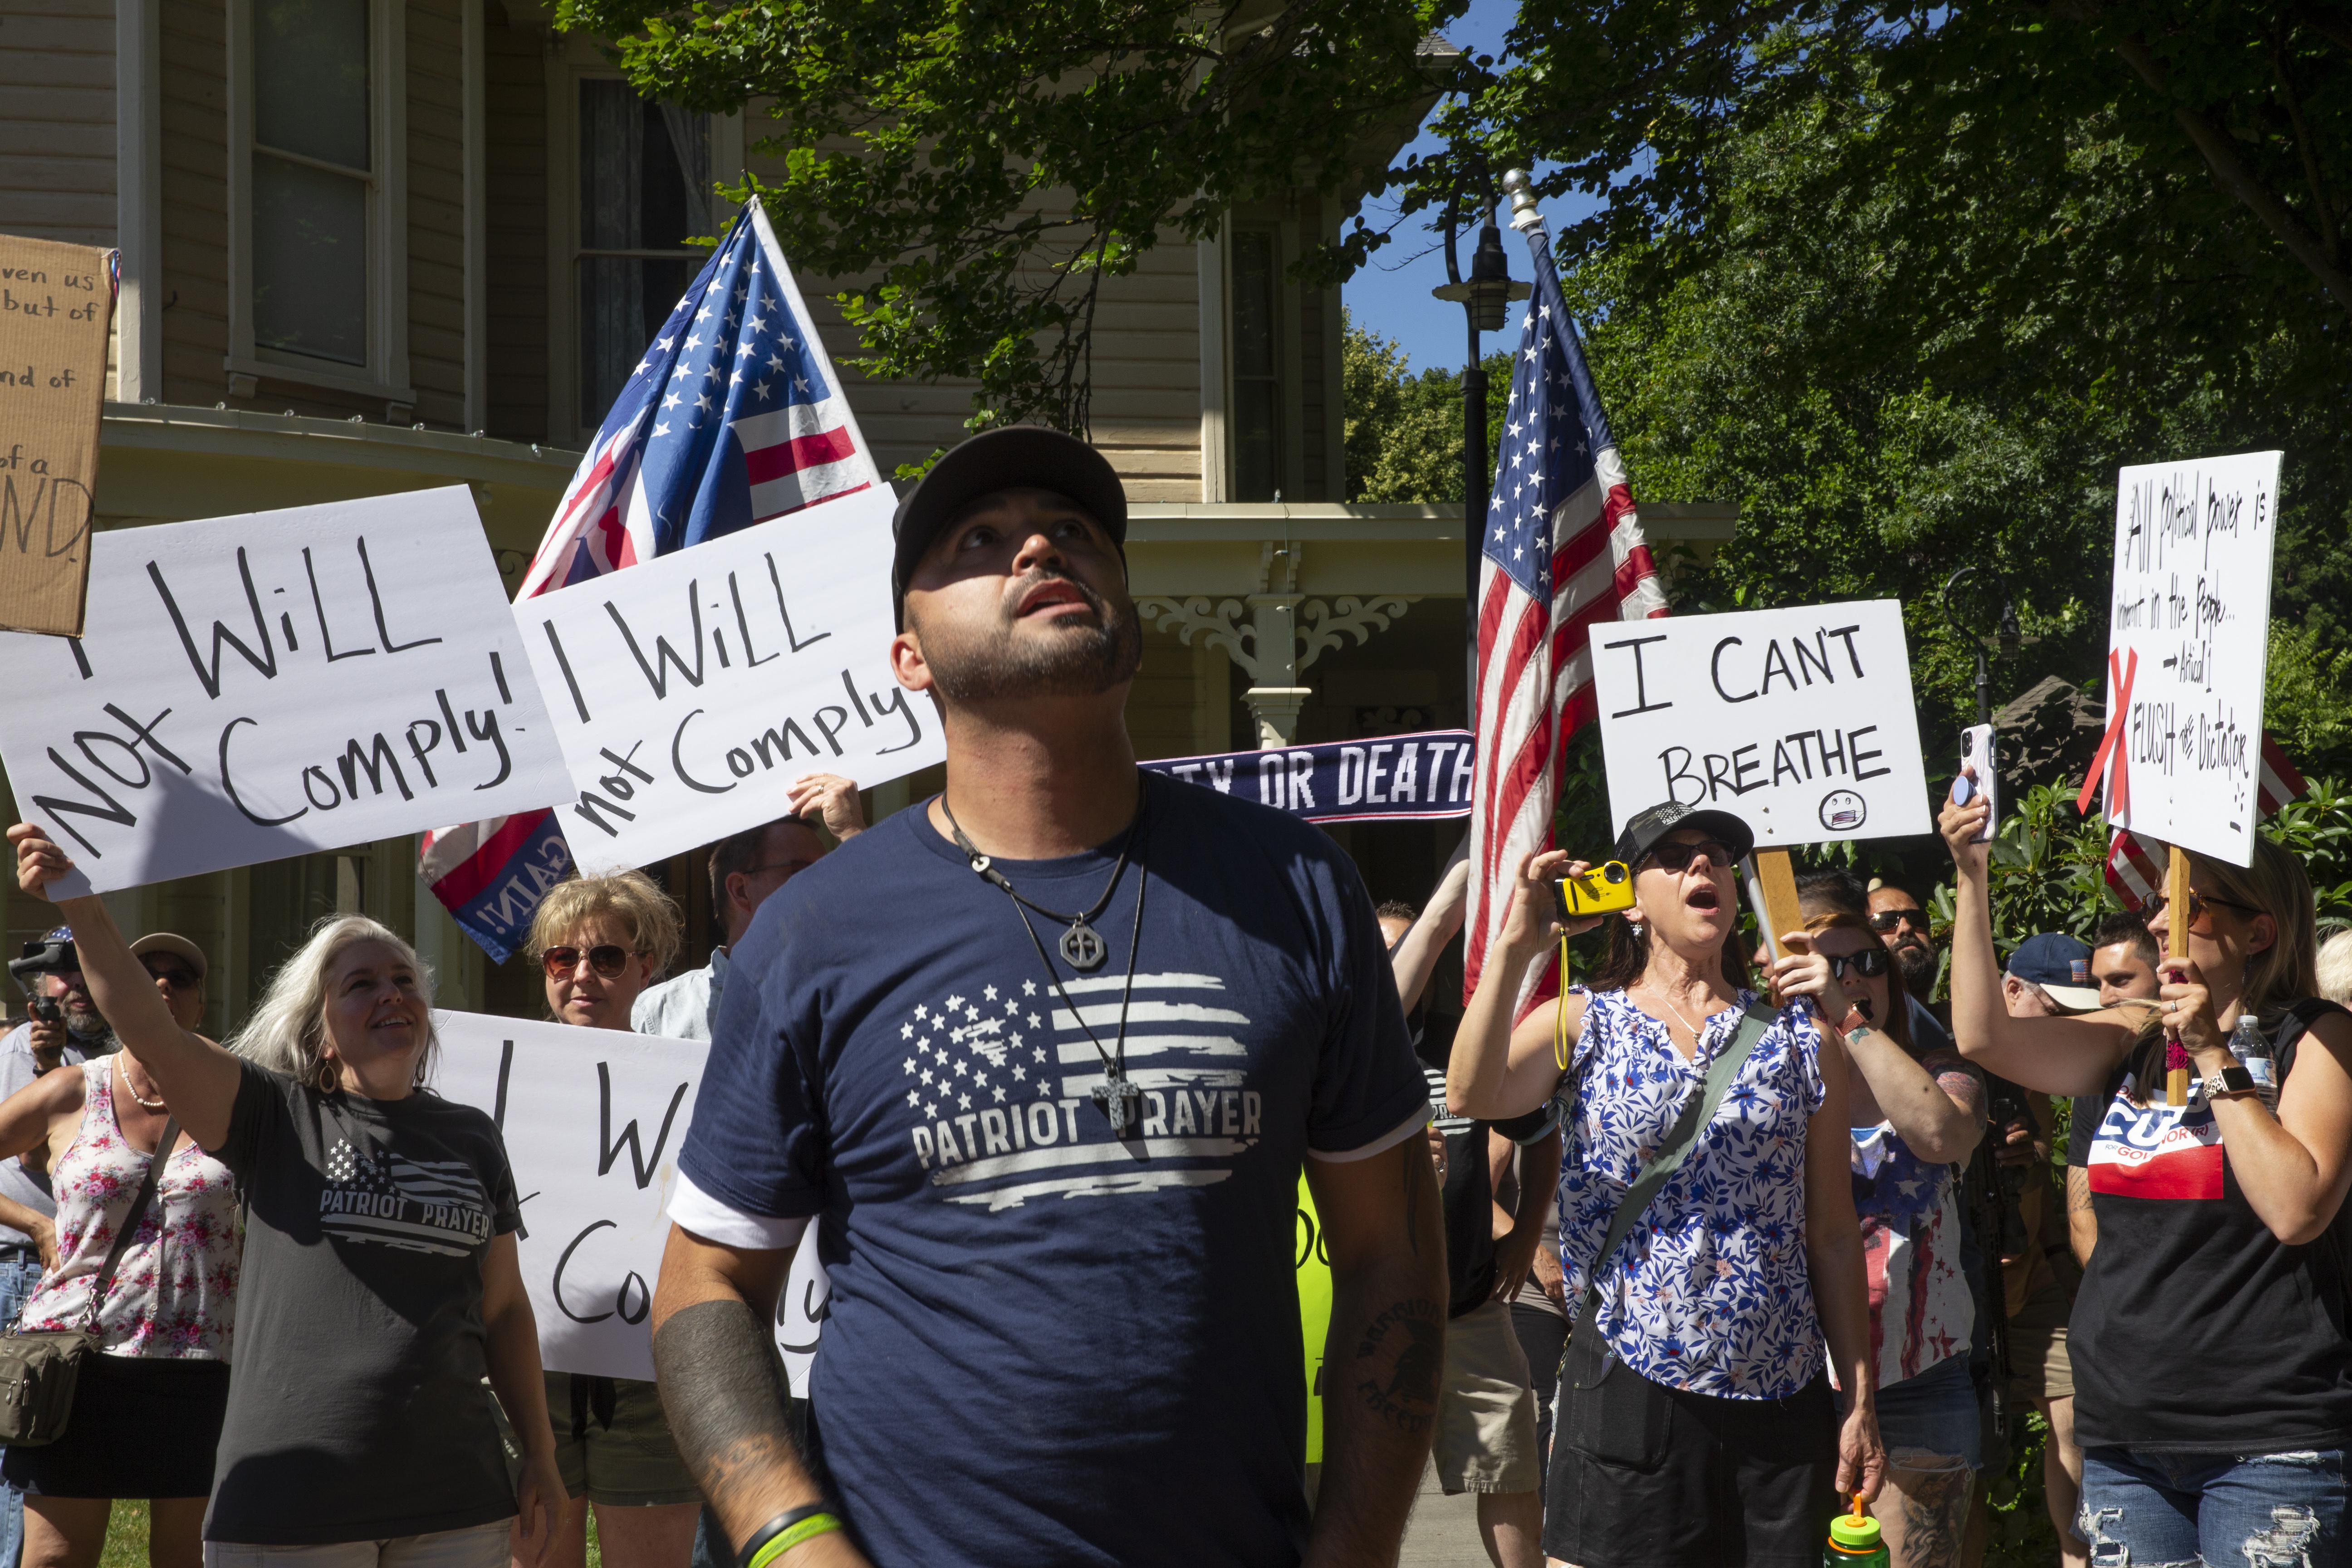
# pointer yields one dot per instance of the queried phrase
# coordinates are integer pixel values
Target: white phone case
(1978, 746)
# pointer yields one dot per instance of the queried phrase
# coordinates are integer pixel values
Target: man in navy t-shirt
(1042, 1062)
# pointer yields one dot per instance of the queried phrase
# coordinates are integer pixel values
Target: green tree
(1403, 432)
(980, 169)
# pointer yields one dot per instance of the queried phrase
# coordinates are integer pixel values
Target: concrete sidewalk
(1443, 1530)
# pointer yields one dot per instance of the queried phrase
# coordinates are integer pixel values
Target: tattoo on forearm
(723, 1392)
(1400, 1360)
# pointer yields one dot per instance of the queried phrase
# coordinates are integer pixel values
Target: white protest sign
(1798, 721)
(593, 1120)
(691, 689)
(2189, 639)
(255, 687)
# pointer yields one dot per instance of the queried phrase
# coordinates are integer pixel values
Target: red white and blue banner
(733, 416)
(1422, 777)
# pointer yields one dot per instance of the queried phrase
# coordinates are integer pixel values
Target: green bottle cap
(1855, 1533)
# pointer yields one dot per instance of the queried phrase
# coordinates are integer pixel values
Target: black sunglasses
(1677, 857)
(1869, 965)
(608, 959)
(1885, 921)
(172, 975)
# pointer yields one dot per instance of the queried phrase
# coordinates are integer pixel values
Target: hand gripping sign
(255, 687)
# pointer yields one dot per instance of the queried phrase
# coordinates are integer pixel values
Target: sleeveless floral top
(1710, 1290)
(174, 1292)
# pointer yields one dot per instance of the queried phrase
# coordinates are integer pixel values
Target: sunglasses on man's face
(1885, 921)
(172, 975)
(608, 959)
(1676, 858)
(1870, 964)
(2200, 911)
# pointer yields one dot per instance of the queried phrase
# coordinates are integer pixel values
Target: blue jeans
(20, 1270)
(2272, 1510)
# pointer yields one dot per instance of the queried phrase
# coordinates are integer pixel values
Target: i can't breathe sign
(250, 687)
(1799, 722)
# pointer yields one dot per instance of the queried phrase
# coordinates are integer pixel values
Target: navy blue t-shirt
(1045, 1345)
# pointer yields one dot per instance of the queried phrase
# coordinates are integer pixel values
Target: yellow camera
(1606, 889)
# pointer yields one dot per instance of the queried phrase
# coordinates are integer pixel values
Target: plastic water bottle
(2253, 1048)
(1853, 1541)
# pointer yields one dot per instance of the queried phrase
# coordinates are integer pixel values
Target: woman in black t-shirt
(2213, 1373)
(379, 1282)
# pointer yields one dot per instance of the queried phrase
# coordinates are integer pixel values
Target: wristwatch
(2230, 1079)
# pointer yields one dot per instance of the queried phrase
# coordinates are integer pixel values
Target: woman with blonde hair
(601, 940)
(2212, 1368)
(380, 1285)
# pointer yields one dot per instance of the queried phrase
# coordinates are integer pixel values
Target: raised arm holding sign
(2188, 642)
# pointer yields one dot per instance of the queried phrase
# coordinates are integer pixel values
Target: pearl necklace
(132, 1090)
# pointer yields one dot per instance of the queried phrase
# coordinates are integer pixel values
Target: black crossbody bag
(39, 1369)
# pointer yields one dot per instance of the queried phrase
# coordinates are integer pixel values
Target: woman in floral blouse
(147, 1410)
(1695, 1423)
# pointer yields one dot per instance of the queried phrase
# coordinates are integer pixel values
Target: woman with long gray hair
(380, 1281)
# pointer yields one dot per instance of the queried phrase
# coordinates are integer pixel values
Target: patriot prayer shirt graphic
(422, 1206)
(1081, 1336)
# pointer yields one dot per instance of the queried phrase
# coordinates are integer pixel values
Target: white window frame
(576, 60)
(386, 374)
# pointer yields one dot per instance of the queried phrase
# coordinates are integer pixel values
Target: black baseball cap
(1646, 827)
(1014, 456)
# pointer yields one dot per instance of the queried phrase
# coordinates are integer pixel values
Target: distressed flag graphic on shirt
(1000, 1086)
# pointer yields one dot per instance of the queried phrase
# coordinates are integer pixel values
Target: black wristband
(775, 1526)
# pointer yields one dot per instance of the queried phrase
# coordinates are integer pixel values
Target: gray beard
(1081, 661)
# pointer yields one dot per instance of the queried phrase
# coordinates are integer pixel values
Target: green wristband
(785, 1540)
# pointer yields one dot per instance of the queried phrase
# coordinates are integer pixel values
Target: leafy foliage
(984, 167)
(1403, 432)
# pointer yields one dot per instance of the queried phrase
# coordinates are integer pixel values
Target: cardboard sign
(1396, 778)
(593, 1119)
(262, 686)
(691, 689)
(57, 303)
(2189, 639)
(1798, 721)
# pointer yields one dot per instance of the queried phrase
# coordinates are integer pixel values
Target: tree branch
(2230, 171)
(2329, 237)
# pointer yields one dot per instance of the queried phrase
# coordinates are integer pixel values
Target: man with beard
(1043, 1059)
(1901, 925)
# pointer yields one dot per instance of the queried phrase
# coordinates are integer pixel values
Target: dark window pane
(309, 260)
(311, 78)
(1254, 303)
(624, 301)
(1256, 426)
(644, 170)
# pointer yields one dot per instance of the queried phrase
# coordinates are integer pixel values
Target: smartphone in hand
(1977, 749)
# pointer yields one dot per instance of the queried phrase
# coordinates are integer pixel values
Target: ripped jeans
(2154, 1510)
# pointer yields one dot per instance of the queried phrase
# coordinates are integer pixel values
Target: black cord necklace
(1120, 1101)
(1082, 946)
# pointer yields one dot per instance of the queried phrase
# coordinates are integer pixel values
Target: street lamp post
(2007, 635)
(1484, 296)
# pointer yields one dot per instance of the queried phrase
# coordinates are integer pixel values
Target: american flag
(1563, 549)
(2135, 865)
(733, 416)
